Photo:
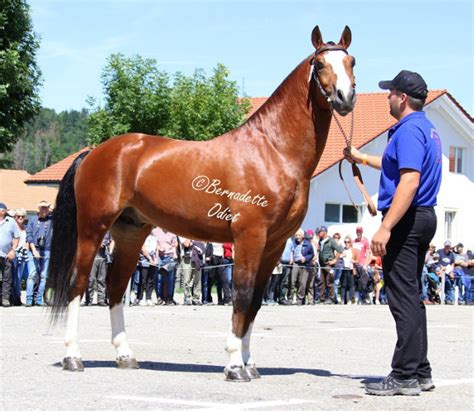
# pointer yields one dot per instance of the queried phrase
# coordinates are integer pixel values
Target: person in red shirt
(363, 246)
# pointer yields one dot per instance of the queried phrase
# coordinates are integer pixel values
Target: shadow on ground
(205, 368)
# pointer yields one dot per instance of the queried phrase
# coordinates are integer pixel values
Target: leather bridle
(355, 170)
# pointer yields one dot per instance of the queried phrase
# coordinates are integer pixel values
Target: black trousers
(147, 282)
(6, 268)
(402, 267)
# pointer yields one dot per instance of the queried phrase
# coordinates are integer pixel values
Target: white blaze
(343, 82)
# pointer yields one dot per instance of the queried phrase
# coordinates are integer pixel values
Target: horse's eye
(353, 62)
(319, 65)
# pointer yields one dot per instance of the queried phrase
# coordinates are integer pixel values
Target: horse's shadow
(206, 368)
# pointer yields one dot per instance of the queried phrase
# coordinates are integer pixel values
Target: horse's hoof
(72, 364)
(236, 374)
(252, 372)
(127, 362)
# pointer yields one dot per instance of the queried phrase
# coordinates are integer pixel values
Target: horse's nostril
(340, 95)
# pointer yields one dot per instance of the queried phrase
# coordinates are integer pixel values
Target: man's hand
(380, 240)
(11, 255)
(352, 155)
(303, 259)
(36, 254)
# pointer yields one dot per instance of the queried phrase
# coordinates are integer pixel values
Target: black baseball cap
(408, 82)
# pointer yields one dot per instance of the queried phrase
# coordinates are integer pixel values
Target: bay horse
(249, 186)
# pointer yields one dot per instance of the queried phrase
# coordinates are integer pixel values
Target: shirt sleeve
(410, 148)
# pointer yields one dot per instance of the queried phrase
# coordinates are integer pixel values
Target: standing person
(226, 274)
(362, 245)
(147, 267)
(285, 272)
(9, 238)
(329, 251)
(409, 184)
(167, 249)
(337, 268)
(302, 254)
(197, 262)
(349, 255)
(206, 275)
(21, 255)
(446, 260)
(98, 274)
(312, 272)
(38, 235)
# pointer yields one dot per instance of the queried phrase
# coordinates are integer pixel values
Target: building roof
(55, 172)
(371, 119)
(16, 194)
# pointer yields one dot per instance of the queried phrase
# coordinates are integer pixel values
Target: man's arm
(355, 156)
(404, 194)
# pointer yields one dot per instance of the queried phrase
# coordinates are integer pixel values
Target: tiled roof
(55, 172)
(16, 194)
(371, 119)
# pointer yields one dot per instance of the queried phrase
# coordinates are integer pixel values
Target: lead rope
(355, 170)
(348, 141)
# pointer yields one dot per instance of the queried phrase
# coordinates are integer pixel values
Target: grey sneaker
(426, 384)
(391, 386)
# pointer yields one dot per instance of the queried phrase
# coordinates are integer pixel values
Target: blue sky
(259, 41)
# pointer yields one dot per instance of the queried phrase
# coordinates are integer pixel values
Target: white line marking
(213, 406)
(447, 383)
(98, 340)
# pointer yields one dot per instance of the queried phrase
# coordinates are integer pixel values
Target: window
(340, 213)
(449, 217)
(456, 159)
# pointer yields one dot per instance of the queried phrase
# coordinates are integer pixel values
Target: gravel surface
(310, 358)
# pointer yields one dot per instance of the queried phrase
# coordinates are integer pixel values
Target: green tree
(138, 98)
(19, 73)
(48, 138)
(202, 108)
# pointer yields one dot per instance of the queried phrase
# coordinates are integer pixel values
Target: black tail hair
(63, 242)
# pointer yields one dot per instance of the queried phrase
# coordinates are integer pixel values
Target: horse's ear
(317, 38)
(346, 38)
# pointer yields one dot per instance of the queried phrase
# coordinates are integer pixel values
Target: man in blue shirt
(409, 184)
(38, 235)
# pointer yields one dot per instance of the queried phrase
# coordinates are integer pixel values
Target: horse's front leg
(248, 293)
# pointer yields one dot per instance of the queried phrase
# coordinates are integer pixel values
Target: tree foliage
(49, 138)
(19, 73)
(139, 98)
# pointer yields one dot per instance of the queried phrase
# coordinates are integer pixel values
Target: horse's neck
(293, 122)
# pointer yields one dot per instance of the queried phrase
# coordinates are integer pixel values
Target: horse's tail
(63, 243)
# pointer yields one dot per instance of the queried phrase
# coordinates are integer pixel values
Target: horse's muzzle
(343, 103)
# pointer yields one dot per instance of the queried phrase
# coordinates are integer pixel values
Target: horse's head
(332, 71)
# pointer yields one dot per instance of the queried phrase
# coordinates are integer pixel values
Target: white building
(330, 205)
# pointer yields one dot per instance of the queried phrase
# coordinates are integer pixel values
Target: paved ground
(310, 358)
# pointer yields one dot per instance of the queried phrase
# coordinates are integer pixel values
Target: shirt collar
(411, 116)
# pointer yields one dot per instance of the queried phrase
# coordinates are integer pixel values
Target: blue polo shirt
(412, 143)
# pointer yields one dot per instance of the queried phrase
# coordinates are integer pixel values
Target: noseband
(355, 170)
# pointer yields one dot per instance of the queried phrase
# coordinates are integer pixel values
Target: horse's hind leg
(86, 250)
(129, 240)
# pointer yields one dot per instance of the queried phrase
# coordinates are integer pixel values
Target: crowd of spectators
(315, 268)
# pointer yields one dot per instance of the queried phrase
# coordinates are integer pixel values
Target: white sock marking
(119, 337)
(70, 339)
